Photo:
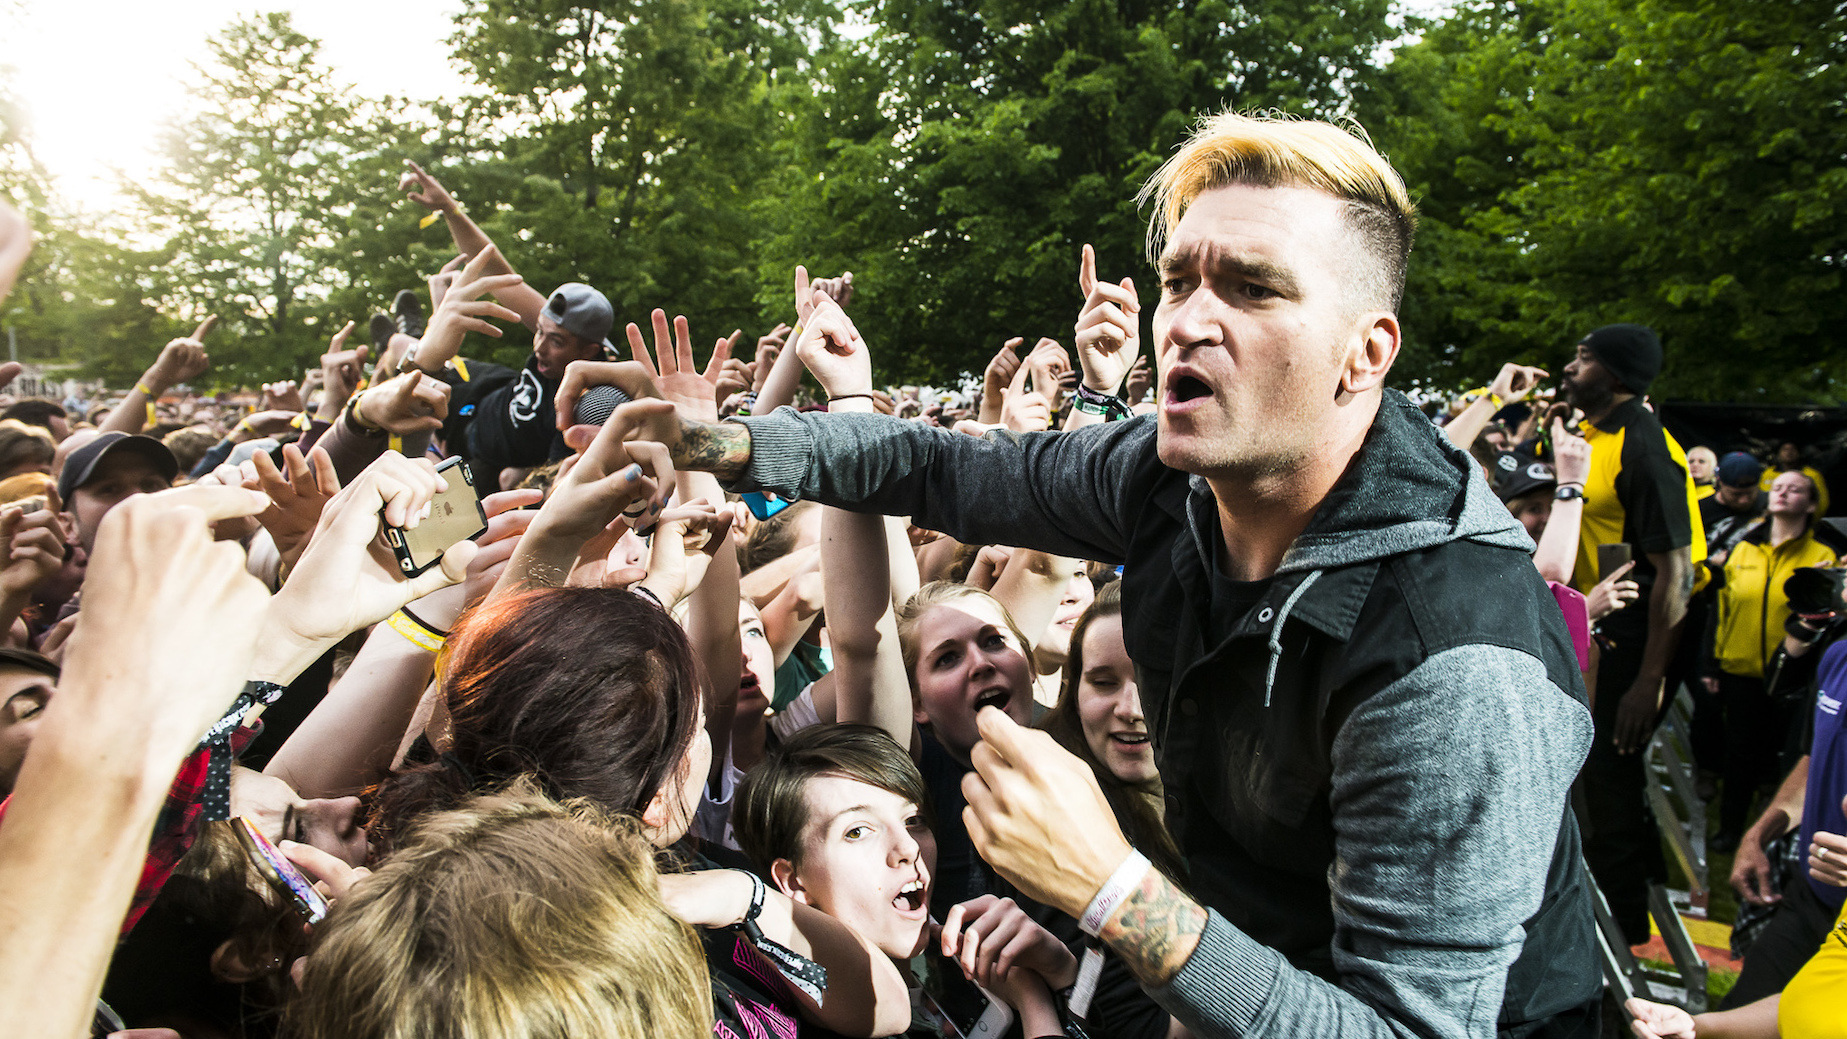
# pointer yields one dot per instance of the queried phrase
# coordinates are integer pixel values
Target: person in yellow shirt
(1703, 466)
(1746, 630)
(1788, 457)
(1812, 1006)
(1639, 494)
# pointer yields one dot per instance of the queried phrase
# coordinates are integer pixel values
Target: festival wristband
(415, 633)
(1126, 879)
(853, 396)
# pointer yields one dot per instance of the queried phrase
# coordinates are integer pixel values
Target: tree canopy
(1676, 162)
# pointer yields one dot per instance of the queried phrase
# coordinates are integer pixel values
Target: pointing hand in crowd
(1108, 327)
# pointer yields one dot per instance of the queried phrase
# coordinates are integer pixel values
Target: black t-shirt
(961, 874)
(515, 426)
(1723, 526)
(1231, 600)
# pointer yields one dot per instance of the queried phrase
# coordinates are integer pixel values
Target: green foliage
(1682, 163)
(1676, 162)
(641, 134)
(958, 157)
(255, 196)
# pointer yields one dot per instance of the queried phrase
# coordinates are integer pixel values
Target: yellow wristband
(153, 416)
(142, 387)
(414, 632)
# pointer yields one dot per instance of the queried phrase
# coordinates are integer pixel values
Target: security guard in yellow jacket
(1747, 628)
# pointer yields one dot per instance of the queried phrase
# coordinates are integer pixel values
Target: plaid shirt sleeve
(175, 828)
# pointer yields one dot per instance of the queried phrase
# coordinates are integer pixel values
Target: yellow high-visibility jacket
(1752, 606)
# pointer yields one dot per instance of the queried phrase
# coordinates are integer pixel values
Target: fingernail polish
(632, 473)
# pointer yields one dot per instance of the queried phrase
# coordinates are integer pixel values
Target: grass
(1721, 903)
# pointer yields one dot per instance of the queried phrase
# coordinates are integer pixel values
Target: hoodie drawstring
(1276, 632)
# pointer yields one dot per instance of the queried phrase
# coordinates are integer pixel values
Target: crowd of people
(642, 690)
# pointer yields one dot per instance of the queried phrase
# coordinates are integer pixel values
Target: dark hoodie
(1367, 770)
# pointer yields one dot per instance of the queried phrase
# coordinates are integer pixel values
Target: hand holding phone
(1611, 557)
(455, 516)
(289, 882)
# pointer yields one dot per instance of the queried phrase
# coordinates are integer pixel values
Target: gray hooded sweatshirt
(1367, 771)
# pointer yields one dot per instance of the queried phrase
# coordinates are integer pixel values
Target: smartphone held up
(455, 516)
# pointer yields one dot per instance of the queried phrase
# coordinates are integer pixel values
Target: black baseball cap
(1740, 470)
(1517, 474)
(84, 460)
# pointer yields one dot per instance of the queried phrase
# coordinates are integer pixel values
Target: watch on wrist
(1568, 492)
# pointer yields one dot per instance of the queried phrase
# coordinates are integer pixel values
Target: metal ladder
(1682, 817)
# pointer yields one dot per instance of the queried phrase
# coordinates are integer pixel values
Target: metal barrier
(1676, 802)
(1626, 976)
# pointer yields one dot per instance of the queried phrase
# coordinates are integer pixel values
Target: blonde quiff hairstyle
(1275, 150)
(510, 917)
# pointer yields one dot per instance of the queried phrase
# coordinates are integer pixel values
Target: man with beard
(1639, 494)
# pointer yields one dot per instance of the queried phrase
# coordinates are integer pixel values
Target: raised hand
(840, 290)
(1001, 369)
(15, 246)
(1108, 327)
(267, 423)
(612, 481)
(1612, 593)
(298, 491)
(406, 404)
(833, 350)
(347, 577)
(1036, 814)
(463, 310)
(634, 378)
(1049, 364)
(507, 520)
(181, 360)
(1023, 411)
(675, 373)
(443, 278)
(171, 618)
(988, 937)
(735, 377)
(31, 550)
(769, 347)
(424, 189)
(1570, 455)
(685, 540)
(1515, 381)
(281, 396)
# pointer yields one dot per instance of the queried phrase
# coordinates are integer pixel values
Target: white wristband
(1127, 878)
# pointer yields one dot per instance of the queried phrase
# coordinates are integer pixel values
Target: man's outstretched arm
(1067, 493)
(470, 240)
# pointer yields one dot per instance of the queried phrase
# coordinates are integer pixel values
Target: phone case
(282, 874)
(455, 516)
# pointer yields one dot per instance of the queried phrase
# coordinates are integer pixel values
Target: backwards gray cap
(582, 311)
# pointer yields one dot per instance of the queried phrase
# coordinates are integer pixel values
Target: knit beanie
(1632, 353)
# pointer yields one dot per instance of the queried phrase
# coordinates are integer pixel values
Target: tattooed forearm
(719, 448)
(1155, 929)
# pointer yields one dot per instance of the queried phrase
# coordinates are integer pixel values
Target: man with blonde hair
(1366, 709)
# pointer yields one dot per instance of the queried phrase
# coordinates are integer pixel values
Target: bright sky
(98, 79)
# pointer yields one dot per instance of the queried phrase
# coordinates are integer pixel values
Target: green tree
(961, 154)
(256, 195)
(1681, 163)
(641, 132)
